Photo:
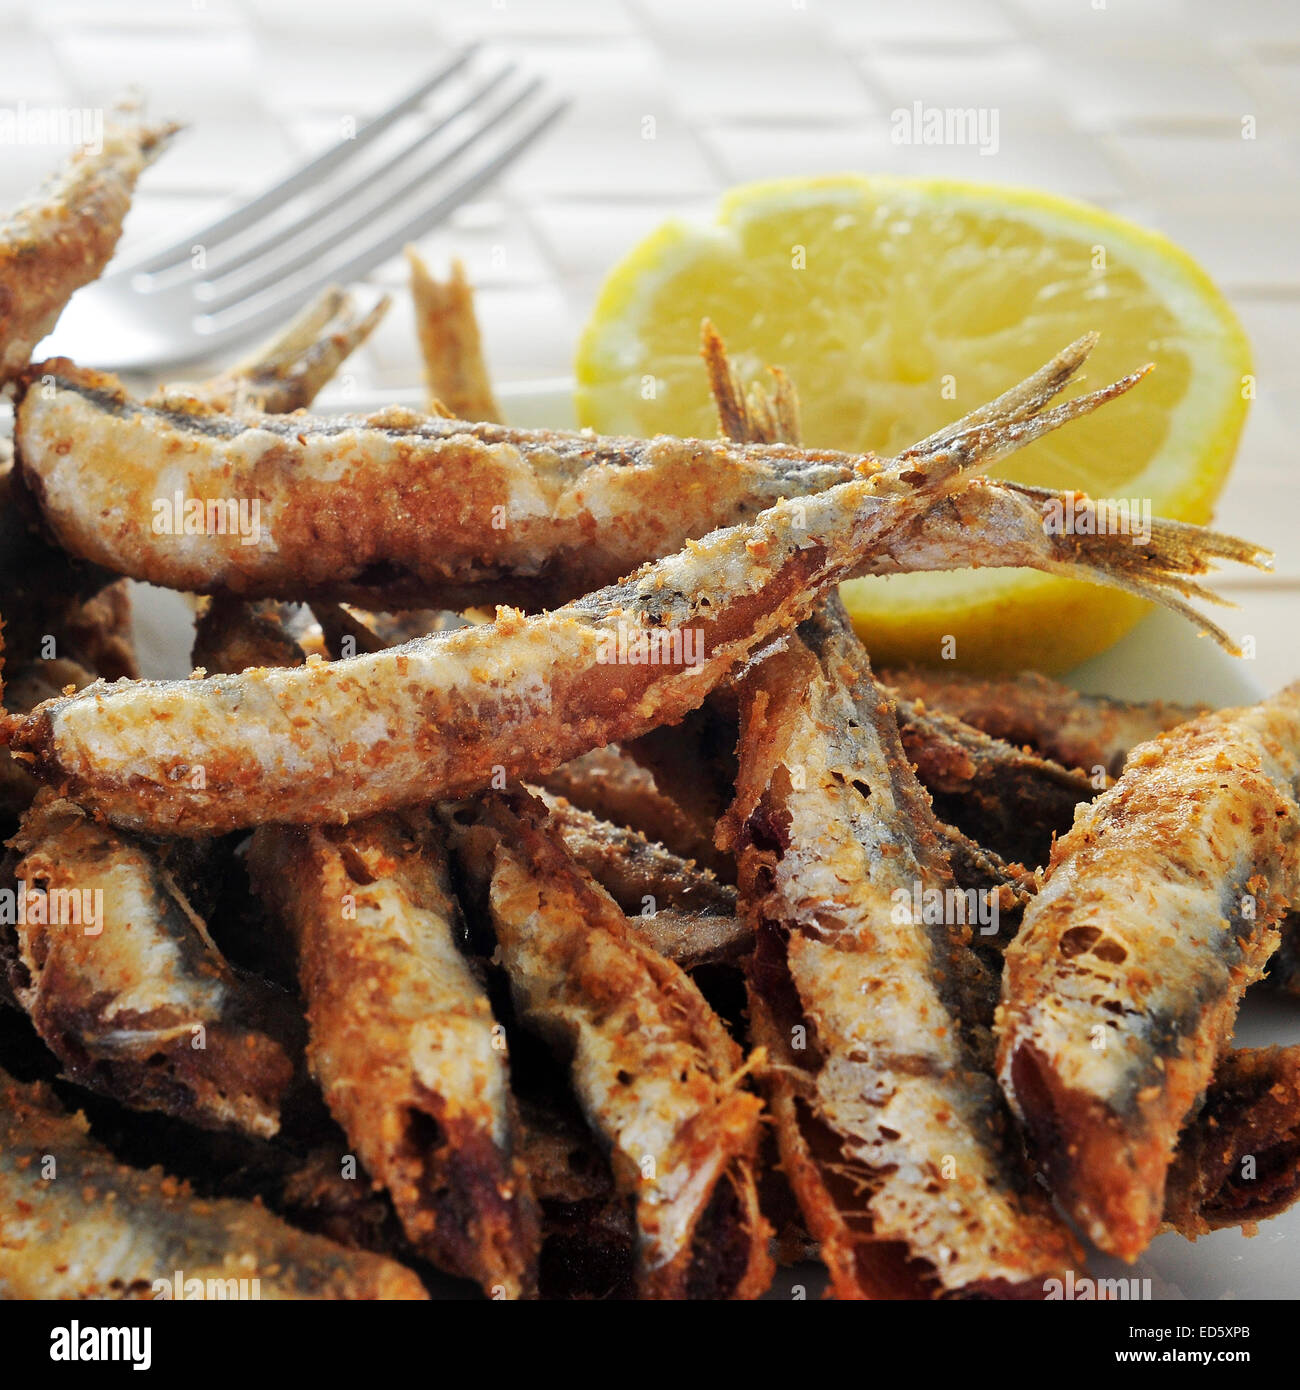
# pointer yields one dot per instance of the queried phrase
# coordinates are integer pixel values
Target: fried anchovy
(890, 1126)
(402, 1039)
(124, 985)
(770, 414)
(444, 715)
(400, 510)
(1239, 1161)
(1011, 801)
(231, 635)
(639, 874)
(454, 369)
(1083, 731)
(611, 784)
(682, 910)
(654, 1068)
(76, 1224)
(606, 780)
(286, 373)
(1158, 909)
(64, 236)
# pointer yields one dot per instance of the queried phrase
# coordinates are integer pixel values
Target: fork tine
(309, 173)
(280, 236)
(257, 316)
(281, 266)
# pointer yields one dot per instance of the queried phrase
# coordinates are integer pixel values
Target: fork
(330, 221)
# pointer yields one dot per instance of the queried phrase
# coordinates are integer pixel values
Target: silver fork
(329, 222)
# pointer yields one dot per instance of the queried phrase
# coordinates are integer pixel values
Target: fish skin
(828, 824)
(1029, 709)
(654, 1069)
(97, 1229)
(441, 716)
(610, 783)
(1119, 994)
(65, 234)
(402, 1038)
(120, 1008)
(398, 510)
(1008, 800)
(1251, 1111)
(677, 907)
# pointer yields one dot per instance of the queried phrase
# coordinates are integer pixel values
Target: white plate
(1162, 658)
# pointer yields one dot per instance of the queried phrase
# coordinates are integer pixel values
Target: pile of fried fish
(535, 886)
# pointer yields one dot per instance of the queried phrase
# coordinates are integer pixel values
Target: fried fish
(402, 1038)
(76, 1224)
(445, 715)
(64, 236)
(1157, 910)
(866, 991)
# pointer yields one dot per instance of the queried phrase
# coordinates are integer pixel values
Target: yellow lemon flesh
(896, 306)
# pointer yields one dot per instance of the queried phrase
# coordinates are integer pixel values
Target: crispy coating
(26, 685)
(680, 909)
(398, 510)
(613, 785)
(444, 715)
(1010, 801)
(1158, 909)
(64, 236)
(1238, 1162)
(633, 868)
(402, 1039)
(890, 1127)
(1083, 731)
(454, 369)
(656, 1073)
(134, 998)
(76, 1224)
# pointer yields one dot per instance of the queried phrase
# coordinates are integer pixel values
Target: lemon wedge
(896, 306)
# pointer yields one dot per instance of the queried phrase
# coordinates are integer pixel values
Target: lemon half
(897, 305)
